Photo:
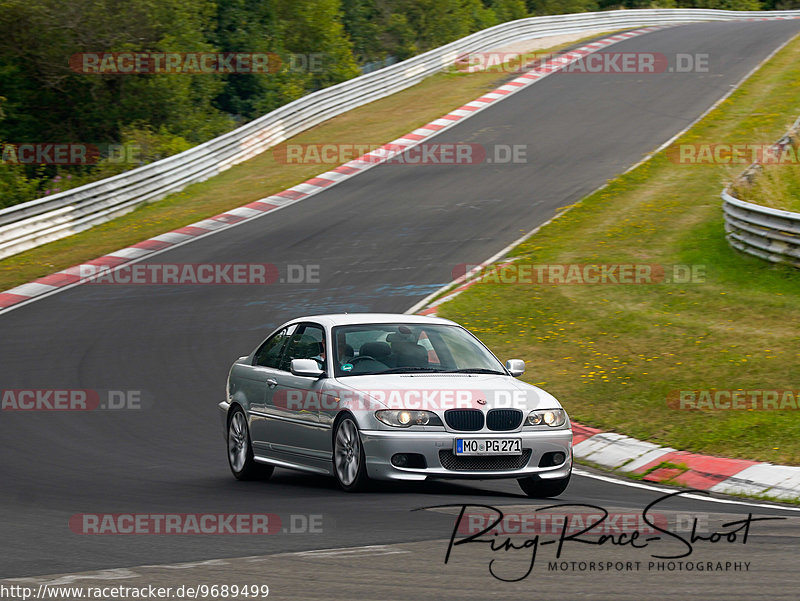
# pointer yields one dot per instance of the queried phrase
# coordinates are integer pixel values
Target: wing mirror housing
(516, 367)
(307, 368)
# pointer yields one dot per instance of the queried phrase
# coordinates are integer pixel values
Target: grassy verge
(615, 354)
(776, 186)
(373, 124)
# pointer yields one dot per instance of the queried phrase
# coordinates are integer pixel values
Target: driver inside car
(320, 356)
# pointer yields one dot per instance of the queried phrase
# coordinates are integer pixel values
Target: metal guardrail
(37, 222)
(771, 234)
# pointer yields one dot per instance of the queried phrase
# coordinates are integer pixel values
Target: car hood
(438, 392)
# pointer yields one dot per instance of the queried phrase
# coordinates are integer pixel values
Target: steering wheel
(355, 360)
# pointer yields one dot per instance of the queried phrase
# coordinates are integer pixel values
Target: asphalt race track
(382, 240)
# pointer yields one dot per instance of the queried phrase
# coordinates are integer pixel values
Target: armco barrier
(770, 234)
(33, 223)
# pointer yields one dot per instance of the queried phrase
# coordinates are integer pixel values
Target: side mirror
(307, 368)
(515, 366)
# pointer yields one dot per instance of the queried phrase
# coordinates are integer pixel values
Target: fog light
(410, 460)
(552, 459)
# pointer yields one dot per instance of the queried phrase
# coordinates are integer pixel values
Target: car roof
(339, 319)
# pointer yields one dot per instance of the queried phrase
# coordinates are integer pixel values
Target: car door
(295, 403)
(259, 380)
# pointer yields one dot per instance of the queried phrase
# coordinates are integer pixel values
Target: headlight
(549, 417)
(404, 418)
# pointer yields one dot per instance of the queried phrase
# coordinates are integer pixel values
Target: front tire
(537, 488)
(240, 451)
(349, 460)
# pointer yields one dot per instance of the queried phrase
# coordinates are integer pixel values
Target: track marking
(112, 574)
(693, 496)
(366, 550)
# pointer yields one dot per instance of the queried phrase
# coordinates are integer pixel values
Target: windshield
(410, 348)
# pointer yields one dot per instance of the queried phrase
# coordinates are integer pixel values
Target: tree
(48, 101)
(364, 24)
(314, 41)
(556, 7)
(508, 10)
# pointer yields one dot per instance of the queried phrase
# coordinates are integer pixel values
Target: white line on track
(366, 550)
(688, 495)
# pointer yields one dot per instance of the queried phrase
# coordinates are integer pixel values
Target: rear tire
(240, 451)
(542, 489)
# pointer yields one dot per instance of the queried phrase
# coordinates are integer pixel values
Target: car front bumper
(381, 445)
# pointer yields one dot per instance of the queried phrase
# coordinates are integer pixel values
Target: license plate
(488, 446)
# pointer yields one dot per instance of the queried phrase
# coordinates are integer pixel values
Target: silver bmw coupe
(391, 397)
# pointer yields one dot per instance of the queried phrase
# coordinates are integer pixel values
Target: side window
(269, 354)
(306, 343)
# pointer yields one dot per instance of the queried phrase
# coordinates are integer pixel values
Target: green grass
(374, 124)
(776, 186)
(667, 465)
(614, 354)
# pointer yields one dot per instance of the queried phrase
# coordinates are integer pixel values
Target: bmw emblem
(481, 402)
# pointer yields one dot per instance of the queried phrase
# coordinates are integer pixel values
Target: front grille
(451, 461)
(466, 420)
(503, 419)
